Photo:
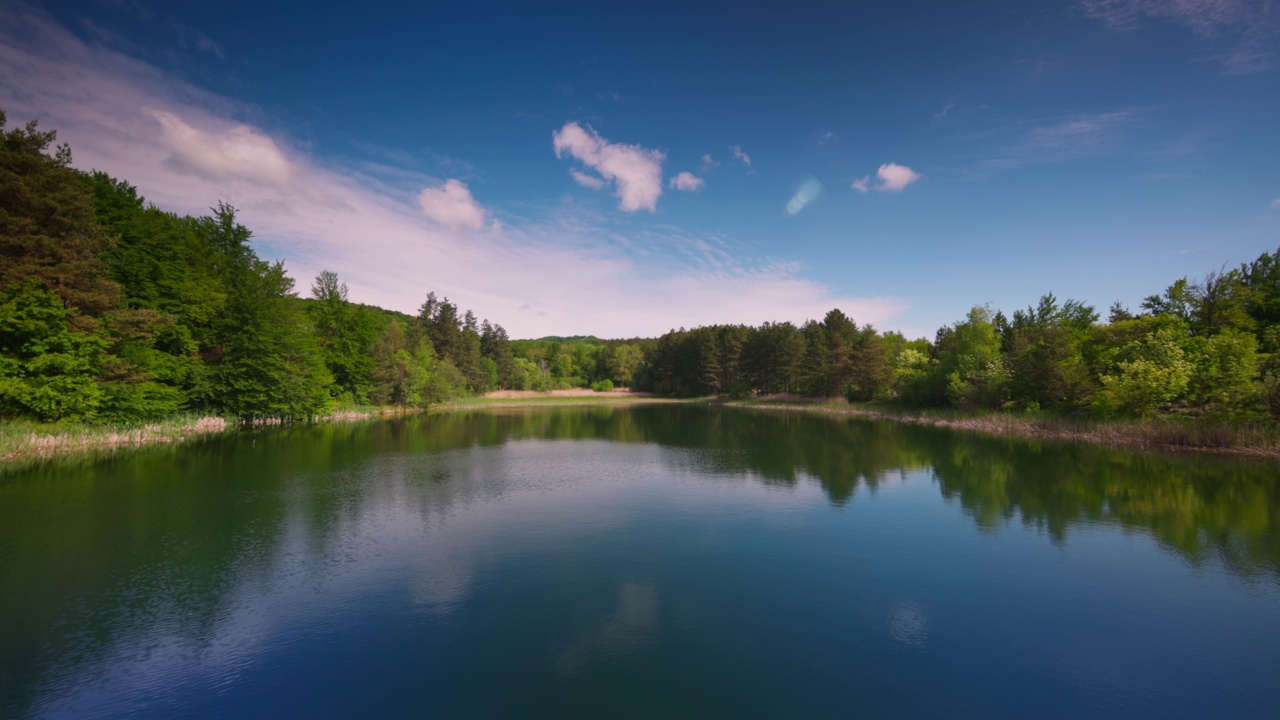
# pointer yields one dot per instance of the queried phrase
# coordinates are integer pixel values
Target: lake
(645, 561)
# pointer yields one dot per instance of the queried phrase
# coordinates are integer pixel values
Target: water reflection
(628, 628)
(908, 623)
(183, 544)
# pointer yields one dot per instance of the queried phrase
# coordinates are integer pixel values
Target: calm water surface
(644, 562)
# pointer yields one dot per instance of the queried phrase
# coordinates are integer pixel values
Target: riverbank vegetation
(117, 314)
(1160, 432)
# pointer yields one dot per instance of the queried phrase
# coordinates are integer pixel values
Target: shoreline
(30, 442)
(1137, 434)
(22, 442)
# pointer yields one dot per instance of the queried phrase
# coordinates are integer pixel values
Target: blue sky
(625, 170)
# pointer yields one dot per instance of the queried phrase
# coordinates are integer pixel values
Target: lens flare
(809, 191)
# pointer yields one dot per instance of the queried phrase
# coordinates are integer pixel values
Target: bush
(605, 385)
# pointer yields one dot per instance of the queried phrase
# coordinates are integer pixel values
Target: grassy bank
(22, 440)
(1169, 433)
(25, 440)
(29, 441)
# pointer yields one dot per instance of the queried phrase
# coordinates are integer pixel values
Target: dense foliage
(1206, 349)
(112, 310)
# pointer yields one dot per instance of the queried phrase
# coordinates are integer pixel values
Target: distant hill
(571, 340)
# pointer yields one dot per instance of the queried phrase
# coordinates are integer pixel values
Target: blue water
(644, 562)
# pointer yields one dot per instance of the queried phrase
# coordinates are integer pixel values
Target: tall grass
(24, 439)
(1250, 439)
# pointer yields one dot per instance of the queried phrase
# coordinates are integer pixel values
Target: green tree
(48, 228)
(772, 358)
(1224, 368)
(1043, 348)
(1148, 372)
(871, 367)
(496, 346)
(263, 359)
(970, 367)
(622, 362)
(406, 372)
(345, 334)
(48, 369)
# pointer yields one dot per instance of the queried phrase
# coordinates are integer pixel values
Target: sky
(622, 170)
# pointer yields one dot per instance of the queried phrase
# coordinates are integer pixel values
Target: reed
(1262, 439)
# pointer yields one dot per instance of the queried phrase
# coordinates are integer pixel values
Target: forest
(115, 311)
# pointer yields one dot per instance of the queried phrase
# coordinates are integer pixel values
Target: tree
(622, 362)
(1223, 370)
(405, 372)
(709, 369)
(496, 346)
(1178, 300)
(772, 357)
(970, 371)
(1147, 373)
(1043, 348)
(73, 350)
(870, 365)
(48, 229)
(1261, 279)
(344, 333)
(263, 359)
(47, 367)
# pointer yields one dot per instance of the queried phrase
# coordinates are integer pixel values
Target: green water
(661, 561)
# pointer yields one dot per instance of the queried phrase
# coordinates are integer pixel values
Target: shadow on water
(94, 547)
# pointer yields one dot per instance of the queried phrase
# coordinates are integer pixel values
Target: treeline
(115, 311)
(1205, 349)
(112, 310)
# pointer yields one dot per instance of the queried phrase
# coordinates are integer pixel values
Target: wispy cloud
(557, 269)
(636, 170)
(1275, 203)
(708, 163)
(615, 97)
(687, 181)
(1204, 17)
(587, 181)
(739, 155)
(1250, 26)
(1060, 139)
(890, 177)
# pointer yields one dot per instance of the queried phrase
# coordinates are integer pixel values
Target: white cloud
(636, 170)
(895, 178)
(557, 270)
(585, 180)
(891, 177)
(452, 205)
(687, 181)
(739, 155)
(708, 163)
(237, 153)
